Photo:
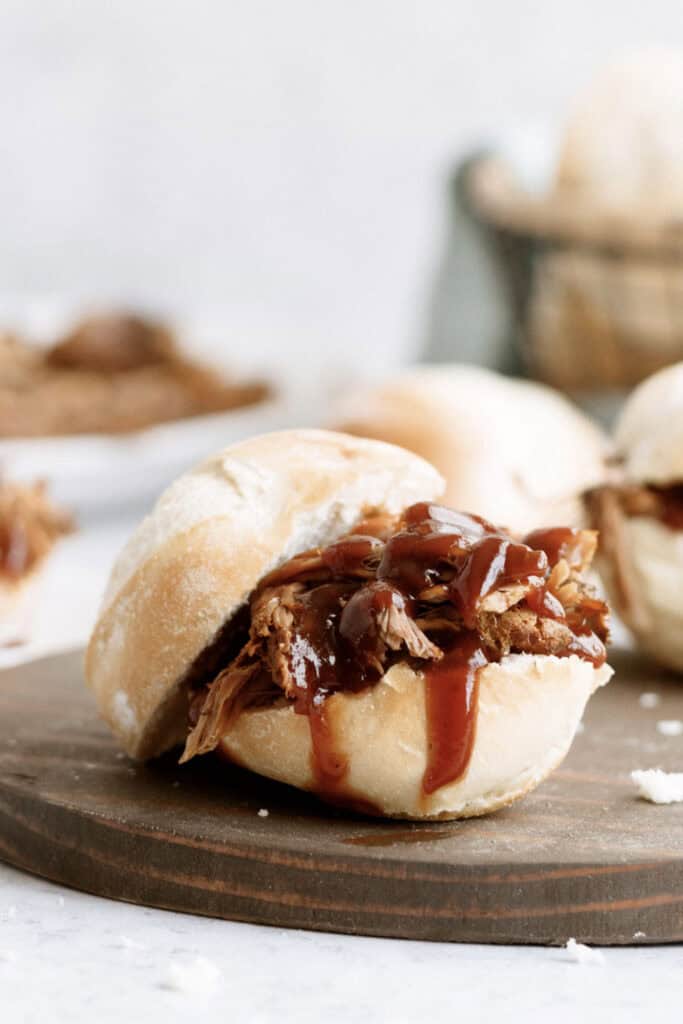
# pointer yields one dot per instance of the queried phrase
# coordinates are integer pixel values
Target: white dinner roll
(623, 145)
(649, 431)
(513, 451)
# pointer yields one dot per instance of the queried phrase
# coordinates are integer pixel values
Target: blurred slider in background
(515, 451)
(30, 527)
(110, 373)
(98, 416)
(109, 407)
(639, 513)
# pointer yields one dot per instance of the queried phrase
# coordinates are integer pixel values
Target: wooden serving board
(580, 857)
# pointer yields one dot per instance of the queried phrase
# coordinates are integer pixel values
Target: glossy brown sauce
(557, 542)
(383, 564)
(492, 563)
(451, 694)
(315, 672)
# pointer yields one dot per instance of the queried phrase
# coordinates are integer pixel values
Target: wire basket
(596, 301)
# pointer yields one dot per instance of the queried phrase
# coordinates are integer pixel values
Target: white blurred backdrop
(282, 165)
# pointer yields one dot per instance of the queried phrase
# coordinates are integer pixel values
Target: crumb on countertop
(195, 976)
(124, 942)
(659, 787)
(649, 700)
(579, 953)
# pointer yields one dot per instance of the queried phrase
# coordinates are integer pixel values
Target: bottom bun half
(529, 709)
(650, 599)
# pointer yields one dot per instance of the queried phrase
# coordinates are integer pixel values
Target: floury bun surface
(213, 534)
(649, 431)
(195, 562)
(516, 452)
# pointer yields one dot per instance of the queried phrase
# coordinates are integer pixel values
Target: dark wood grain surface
(580, 857)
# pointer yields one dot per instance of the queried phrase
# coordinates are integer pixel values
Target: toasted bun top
(649, 432)
(623, 148)
(213, 534)
(516, 452)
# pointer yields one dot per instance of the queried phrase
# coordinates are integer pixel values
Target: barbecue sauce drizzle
(374, 568)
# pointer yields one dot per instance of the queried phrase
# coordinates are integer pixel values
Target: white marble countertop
(68, 956)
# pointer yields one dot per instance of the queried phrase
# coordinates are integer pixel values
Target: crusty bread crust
(211, 537)
(529, 708)
(516, 452)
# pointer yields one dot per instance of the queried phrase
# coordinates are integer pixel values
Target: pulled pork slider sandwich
(640, 517)
(514, 451)
(30, 527)
(299, 604)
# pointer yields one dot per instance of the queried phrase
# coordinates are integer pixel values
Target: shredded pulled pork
(396, 629)
(663, 503)
(406, 588)
(609, 508)
(29, 526)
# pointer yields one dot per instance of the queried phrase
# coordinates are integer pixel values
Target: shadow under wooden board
(579, 857)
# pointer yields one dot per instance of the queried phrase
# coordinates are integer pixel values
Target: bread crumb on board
(579, 953)
(670, 727)
(657, 786)
(649, 700)
(263, 813)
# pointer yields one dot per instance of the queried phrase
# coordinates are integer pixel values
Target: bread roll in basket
(593, 256)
